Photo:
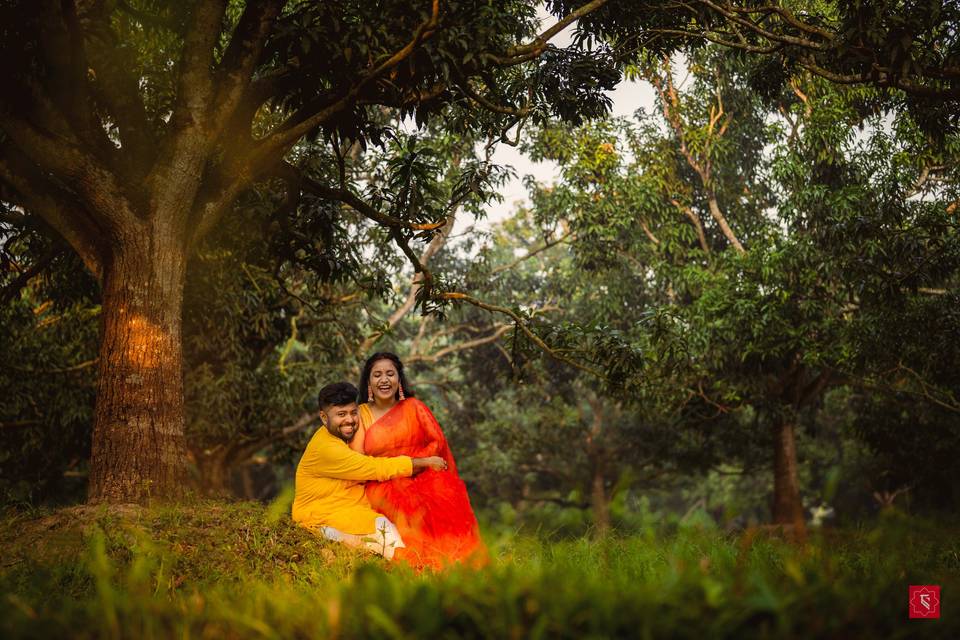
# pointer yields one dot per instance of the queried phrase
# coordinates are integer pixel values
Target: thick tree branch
(815, 387)
(647, 232)
(523, 52)
(365, 209)
(239, 452)
(721, 221)
(419, 269)
(250, 162)
(213, 202)
(242, 57)
(117, 91)
(715, 39)
(882, 78)
(789, 17)
(86, 364)
(807, 106)
(94, 183)
(302, 122)
(41, 197)
(950, 403)
(195, 84)
(190, 138)
(755, 27)
(86, 123)
(18, 424)
(670, 106)
(116, 88)
(473, 94)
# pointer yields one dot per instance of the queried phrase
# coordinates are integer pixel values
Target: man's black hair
(337, 394)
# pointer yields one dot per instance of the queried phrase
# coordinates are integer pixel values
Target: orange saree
(432, 509)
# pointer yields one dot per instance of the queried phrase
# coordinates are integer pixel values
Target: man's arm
(337, 460)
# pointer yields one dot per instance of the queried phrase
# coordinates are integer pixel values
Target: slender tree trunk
(787, 506)
(213, 471)
(216, 464)
(138, 442)
(599, 503)
(723, 224)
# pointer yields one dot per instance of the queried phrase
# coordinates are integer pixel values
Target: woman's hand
(432, 462)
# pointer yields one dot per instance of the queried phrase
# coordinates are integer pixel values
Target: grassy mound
(216, 570)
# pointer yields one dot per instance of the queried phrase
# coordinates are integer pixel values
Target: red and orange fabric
(431, 510)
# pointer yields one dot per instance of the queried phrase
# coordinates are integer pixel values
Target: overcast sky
(627, 98)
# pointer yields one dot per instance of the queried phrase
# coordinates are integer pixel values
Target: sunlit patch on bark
(148, 345)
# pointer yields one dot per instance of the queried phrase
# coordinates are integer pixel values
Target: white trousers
(384, 540)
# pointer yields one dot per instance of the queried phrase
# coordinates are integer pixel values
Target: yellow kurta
(329, 485)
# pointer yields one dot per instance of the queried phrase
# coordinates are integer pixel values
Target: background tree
(764, 294)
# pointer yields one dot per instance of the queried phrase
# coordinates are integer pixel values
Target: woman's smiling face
(384, 380)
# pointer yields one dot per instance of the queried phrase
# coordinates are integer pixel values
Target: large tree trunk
(138, 442)
(787, 506)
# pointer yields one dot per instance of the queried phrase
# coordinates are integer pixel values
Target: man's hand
(433, 462)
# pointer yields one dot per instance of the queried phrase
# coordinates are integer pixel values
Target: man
(329, 486)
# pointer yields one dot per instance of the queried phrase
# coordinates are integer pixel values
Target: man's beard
(339, 434)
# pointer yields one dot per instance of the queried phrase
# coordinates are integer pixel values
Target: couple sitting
(381, 476)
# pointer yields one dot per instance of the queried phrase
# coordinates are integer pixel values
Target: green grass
(224, 570)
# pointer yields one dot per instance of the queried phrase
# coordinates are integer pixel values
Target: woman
(431, 510)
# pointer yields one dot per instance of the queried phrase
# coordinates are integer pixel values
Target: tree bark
(138, 440)
(213, 471)
(599, 503)
(724, 225)
(787, 506)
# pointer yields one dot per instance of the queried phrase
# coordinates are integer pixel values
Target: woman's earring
(369, 393)
(400, 387)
